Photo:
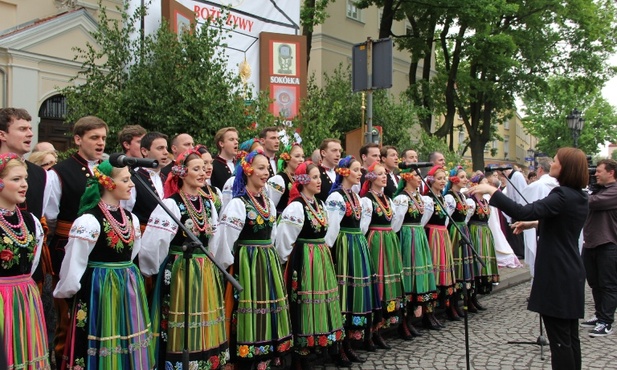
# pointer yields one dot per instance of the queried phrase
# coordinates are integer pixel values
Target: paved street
(505, 320)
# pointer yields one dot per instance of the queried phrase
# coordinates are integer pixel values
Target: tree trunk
(477, 152)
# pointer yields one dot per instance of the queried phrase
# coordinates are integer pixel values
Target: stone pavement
(506, 319)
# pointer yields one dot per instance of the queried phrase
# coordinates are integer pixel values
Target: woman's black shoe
(452, 315)
(403, 331)
(353, 356)
(475, 302)
(430, 324)
(413, 331)
(341, 359)
(379, 341)
(369, 345)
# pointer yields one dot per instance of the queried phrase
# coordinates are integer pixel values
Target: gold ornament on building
(244, 70)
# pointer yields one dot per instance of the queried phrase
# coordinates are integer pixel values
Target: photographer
(600, 249)
(558, 290)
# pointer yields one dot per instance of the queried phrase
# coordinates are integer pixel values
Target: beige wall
(334, 39)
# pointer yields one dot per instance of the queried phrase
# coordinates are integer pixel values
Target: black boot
(403, 330)
(429, 323)
(379, 341)
(436, 321)
(474, 300)
(451, 311)
(454, 303)
(351, 354)
(341, 359)
(301, 363)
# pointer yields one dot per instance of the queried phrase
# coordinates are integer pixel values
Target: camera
(593, 182)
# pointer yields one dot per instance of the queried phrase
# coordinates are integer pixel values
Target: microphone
(413, 166)
(493, 168)
(121, 160)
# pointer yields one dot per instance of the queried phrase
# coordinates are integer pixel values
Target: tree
(169, 83)
(546, 115)
(312, 13)
(489, 52)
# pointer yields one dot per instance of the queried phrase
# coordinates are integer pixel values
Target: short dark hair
(127, 134)
(364, 149)
(404, 152)
(531, 175)
(87, 123)
(263, 133)
(148, 139)
(8, 115)
(609, 165)
(432, 155)
(574, 171)
(384, 150)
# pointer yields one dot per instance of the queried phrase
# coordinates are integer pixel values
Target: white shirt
(55, 193)
(155, 177)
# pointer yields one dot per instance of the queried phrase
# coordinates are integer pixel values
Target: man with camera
(600, 249)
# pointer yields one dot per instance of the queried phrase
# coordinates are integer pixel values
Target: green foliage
(547, 111)
(167, 83)
(614, 155)
(431, 143)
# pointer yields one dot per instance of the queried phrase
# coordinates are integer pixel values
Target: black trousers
(601, 269)
(564, 342)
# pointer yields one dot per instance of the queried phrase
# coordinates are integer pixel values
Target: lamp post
(531, 157)
(575, 123)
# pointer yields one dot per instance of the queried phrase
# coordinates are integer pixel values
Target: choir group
(329, 252)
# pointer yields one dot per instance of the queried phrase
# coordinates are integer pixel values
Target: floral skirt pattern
(462, 256)
(313, 293)
(482, 237)
(386, 257)
(418, 274)
(110, 325)
(208, 347)
(443, 266)
(357, 282)
(260, 322)
(22, 324)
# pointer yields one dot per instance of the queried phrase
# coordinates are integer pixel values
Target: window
(506, 144)
(353, 11)
(506, 124)
(461, 137)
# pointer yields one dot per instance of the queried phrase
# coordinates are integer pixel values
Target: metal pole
(369, 92)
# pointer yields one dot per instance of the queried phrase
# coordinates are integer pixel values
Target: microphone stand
(463, 242)
(188, 248)
(541, 340)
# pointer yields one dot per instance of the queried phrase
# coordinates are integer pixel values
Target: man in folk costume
(130, 140)
(330, 150)
(223, 165)
(537, 190)
(179, 144)
(389, 157)
(67, 182)
(269, 139)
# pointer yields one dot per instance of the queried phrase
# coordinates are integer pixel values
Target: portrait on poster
(285, 58)
(285, 98)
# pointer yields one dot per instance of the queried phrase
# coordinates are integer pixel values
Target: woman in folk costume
(280, 184)
(354, 269)
(163, 241)
(461, 209)
(260, 324)
(440, 243)
(110, 324)
(411, 212)
(310, 278)
(482, 239)
(23, 333)
(376, 224)
(211, 192)
(245, 148)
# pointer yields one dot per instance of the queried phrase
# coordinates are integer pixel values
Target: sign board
(381, 65)
(245, 19)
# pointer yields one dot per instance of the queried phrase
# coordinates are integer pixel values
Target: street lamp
(531, 156)
(575, 123)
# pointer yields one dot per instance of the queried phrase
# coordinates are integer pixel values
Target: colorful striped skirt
(443, 266)
(386, 257)
(482, 238)
(462, 256)
(207, 344)
(261, 326)
(356, 281)
(22, 324)
(418, 274)
(314, 303)
(110, 325)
